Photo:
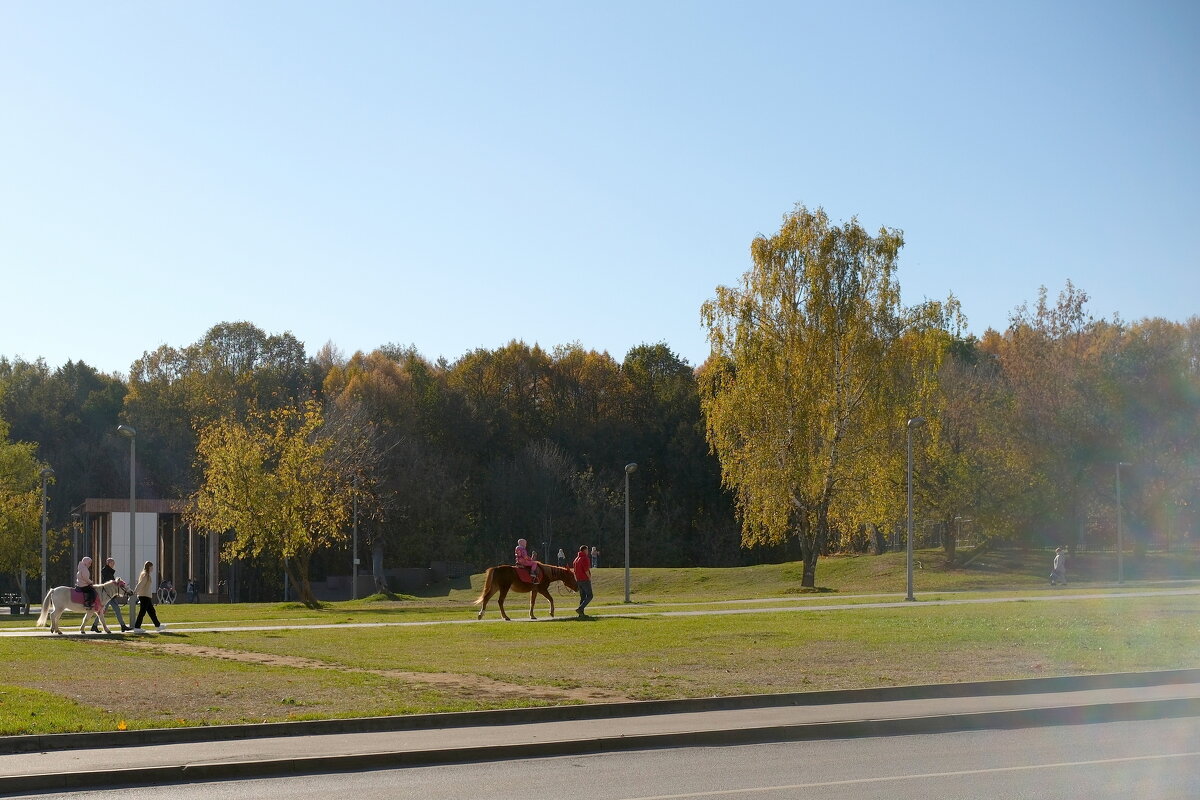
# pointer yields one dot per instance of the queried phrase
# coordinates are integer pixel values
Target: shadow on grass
(443, 588)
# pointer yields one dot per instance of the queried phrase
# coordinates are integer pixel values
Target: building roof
(104, 505)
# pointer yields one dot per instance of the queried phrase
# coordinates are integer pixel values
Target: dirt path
(460, 683)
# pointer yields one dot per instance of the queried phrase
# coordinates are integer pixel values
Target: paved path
(812, 605)
(29, 764)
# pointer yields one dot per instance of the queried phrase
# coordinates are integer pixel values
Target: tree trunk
(381, 586)
(950, 542)
(809, 551)
(812, 541)
(297, 568)
(881, 545)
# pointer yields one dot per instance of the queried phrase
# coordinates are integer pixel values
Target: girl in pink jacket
(523, 559)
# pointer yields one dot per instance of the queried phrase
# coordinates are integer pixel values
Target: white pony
(59, 600)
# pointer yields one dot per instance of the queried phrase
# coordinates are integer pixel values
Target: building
(179, 553)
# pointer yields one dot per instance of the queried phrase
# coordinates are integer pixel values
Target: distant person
(145, 595)
(109, 573)
(582, 567)
(562, 557)
(595, 557)
(191, 591)
(1058, 571)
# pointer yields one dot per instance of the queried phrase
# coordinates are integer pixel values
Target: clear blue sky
(455, 175)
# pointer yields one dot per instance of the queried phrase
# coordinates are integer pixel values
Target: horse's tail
(41, 620)
(488, 581)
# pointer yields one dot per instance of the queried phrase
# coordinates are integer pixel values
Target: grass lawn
(190, 677)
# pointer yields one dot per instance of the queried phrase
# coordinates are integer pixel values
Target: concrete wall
(145, 545)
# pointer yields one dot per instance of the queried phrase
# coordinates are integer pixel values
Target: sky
(458, 175)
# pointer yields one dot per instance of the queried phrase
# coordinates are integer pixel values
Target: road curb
(987, 720)
(154, 736)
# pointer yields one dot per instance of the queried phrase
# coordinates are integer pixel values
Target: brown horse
(505, 577)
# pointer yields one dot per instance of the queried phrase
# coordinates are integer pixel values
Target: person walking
(145, 596)
(562, 557)
(582, 567)
(191, 591)
(1058, 571)
(595, 557)
(109, 573)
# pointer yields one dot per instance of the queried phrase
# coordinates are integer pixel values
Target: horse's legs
(486, 596)
(500, 601)
(549, 597)
(533, 593)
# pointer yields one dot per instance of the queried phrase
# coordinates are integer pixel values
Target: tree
(678, 480)
(420, 514)
(797, 393)
(173, 392)
(20, 506)
(970, 465)
(275, 482)
(71, 415)
(1057, 360)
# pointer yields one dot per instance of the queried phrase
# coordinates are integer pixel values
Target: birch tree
(799, 395)
(20, 505)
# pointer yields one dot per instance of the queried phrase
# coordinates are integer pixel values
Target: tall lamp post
(1120, 526)
(629, 470)
(354, 554)
(131, 434)
(47, 473)
(912, 423)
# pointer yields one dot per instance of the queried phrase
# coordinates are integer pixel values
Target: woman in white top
(145, 595)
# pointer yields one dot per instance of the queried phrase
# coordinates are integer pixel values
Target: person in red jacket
(582, 567)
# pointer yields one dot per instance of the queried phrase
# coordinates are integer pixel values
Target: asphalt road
(1147, 759)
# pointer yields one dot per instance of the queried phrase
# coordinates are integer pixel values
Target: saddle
(77, 596)
(523, 574)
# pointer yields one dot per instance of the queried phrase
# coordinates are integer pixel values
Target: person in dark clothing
(109, 573)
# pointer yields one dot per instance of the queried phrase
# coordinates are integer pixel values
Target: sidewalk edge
(154, 736)
(988, 720)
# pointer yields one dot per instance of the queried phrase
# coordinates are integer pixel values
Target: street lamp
(1120, 526)
(46, 474)
(354, 555)
(629, 470)
(912, 423)
(131, 434)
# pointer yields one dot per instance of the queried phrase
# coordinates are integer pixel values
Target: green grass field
(189, 677)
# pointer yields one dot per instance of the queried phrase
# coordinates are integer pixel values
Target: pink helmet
(522, 542)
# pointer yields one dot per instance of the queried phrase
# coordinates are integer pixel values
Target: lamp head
(916, 422)
(630, 469)
(126, 430)
(47, 473)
